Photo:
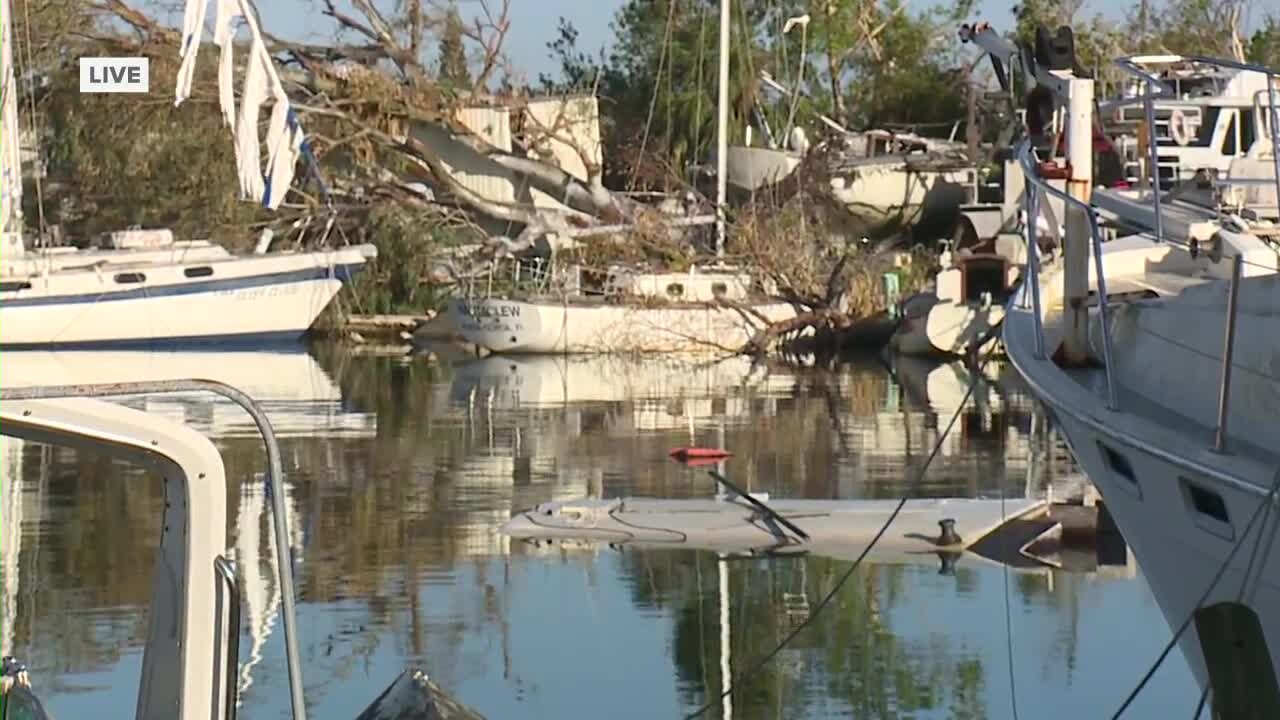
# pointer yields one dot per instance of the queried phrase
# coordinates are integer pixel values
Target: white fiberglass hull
(878, 192)
(1178, 546)
(751, 168)
(954, 328)
(260, 296)
(518, 326)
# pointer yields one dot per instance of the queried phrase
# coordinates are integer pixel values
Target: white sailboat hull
(519, 326)
(953, 328)
(751, 168)
(878, 192)
(276, 295)
(1170, 545)
(1178, 545)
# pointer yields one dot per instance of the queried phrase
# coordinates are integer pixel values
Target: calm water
(400, 470)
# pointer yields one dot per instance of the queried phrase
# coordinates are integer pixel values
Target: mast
(722, 129)
(11, 540)
(10, 141)
(1075, 342)
(726, 634)
(726, 628)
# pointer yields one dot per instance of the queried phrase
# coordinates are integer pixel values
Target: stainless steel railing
(1037, 185)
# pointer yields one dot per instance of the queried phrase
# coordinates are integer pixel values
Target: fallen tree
(389, 131)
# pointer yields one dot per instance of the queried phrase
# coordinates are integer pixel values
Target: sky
(534, 22)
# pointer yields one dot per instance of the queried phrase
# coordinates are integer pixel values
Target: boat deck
(622, 301)
(1194, 432)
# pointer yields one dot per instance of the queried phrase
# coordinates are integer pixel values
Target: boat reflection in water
(297, 394)
(397, 508)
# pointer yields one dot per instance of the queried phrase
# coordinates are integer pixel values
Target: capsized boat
(1002, 531)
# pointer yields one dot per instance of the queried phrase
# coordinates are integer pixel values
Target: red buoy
(697, 456)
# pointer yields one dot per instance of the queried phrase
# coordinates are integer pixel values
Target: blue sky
(533, 23)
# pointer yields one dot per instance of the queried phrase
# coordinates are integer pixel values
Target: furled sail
(285, 140)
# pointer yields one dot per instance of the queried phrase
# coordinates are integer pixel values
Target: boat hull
(751, 168)
(253, 299)
(519, 326)
(880, 193)
(957, 328)
(1179, 548)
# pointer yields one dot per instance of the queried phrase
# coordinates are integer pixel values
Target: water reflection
(401, 469)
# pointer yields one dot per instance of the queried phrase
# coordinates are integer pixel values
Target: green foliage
(121, 160)
(659, 89)
(660, 79)
(1198, 27)
(914, 80)
(453, 73)
(577, 69)
(1264, 45)
(407, 242)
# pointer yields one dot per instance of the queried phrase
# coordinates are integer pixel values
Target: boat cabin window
(198, 272)
(1229, 144)
(675, 290)
(14, 286)
(1208, 128)
(1209, 509)
(1247, 135)
(130, 278)
(1119, 464)
(719, 289)
(1208, 502)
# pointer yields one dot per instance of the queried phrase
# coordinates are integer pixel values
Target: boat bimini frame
(191, 659)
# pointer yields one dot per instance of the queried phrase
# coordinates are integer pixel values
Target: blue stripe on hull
(340, 272)
(284, 341)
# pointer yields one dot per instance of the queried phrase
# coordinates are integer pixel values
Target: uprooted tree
(377, 119)
(381, 122)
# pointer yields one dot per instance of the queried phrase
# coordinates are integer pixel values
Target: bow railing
(1036, 187)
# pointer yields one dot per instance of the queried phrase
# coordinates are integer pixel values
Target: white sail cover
(284, 141)
(10, 145)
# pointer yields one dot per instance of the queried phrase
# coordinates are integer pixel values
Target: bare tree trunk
(833, 70)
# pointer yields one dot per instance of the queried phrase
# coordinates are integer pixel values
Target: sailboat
(1164, 384)
(143, 286)
(709, 308)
